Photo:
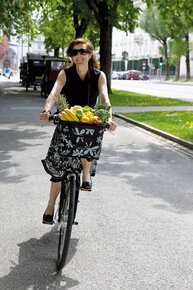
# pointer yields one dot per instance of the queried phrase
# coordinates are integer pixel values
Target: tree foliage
(177, 48)
(10, 10)
(4, 46)
(154, 23)
(55, 24)
(178, 15)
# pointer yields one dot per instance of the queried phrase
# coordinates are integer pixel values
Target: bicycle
(70, 142)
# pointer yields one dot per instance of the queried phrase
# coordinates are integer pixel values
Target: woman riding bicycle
(82, 83)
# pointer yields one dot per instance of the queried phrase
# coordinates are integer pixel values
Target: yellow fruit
(64, 116)
(76, 107)
(71, 115)
(89, 115)
(85, 119)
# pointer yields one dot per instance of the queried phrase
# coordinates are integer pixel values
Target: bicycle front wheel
(66, 219)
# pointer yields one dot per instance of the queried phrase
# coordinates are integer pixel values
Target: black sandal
(86, 186)
(48, 219)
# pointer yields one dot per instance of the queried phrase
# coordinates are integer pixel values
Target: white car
(114, 75)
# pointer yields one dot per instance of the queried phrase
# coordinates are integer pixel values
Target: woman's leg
(86, 169)
(86, 180)
(54, 191)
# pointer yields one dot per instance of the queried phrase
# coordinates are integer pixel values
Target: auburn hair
(89, 46)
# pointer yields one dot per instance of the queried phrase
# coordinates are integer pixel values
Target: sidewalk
(151, 108)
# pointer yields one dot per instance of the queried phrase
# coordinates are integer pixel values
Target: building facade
(141, 51)
(15, 52)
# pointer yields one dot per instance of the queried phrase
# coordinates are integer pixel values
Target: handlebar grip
(54, 118)
(50, 118)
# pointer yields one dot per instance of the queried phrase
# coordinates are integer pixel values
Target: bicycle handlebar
(54, 118)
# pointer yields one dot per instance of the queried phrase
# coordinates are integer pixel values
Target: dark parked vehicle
(136, 75)
(40, 70)
(35, 71)
(23, 72)
(53, 66)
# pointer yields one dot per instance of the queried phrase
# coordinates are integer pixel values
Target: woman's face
(80, 55)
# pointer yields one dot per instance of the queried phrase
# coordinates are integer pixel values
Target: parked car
(143, 77)
(114, 75)
(136, 75)
(53, 66)
(122, 75)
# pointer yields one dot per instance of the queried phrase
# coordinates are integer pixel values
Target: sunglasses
(82, 51)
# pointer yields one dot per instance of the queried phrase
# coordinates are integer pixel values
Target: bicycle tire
(66, 221)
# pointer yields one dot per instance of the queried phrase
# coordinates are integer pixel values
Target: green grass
(177, 123)
(127, 99)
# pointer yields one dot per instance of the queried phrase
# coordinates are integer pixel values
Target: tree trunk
(56, 51)
(80, 28)
(167, 72)
(177, 75)
(187, 58)
(102, 14)
(106, 52)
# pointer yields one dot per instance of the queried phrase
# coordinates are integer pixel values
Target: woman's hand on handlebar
(44, 116)
(112, 126)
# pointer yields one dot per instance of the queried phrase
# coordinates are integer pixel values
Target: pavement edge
(168, 136)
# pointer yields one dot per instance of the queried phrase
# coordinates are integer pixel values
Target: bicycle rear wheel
(66, 218)
(93, 167)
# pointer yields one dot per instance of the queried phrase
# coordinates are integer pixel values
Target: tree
(8, 12)
(4, 46)
(51, 24)
(178, 15)
(177, 49)
(62, 21)
(17, 18)
(108, 14)
(154, 24)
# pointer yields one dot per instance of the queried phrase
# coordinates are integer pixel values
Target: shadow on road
(153, 171)
(36, 268)
(21, 129)
(14, 141)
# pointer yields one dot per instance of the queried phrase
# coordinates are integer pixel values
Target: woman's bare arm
(56, 90)
(103, 93)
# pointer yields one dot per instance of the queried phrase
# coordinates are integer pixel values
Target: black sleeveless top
(81, 92)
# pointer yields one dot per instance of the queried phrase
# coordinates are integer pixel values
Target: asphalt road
(135, 227)
(180, 90)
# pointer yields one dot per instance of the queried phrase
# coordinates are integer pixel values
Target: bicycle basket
(73, 140)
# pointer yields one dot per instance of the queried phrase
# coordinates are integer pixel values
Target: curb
(168, 136)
